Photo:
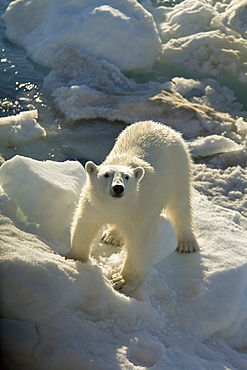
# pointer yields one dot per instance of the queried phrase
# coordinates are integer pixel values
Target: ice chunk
(211, 53)
(203, 38)
(208, 92)
(122, 32)
(20, 129)
(235, 16)
(211, 145)
(187, 18)
(71, 68)
(241, 126)
(45, 192)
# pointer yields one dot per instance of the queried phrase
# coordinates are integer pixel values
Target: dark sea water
(21, 89)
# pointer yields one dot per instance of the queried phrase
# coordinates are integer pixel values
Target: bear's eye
(126, 177)
(106, 175)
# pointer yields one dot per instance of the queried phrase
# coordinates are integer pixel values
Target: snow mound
(123, 33)
(241, 126)
(235, 16)
(45, 193)
(205, 37)
(192, 309)
(211, 53)
(20, 129)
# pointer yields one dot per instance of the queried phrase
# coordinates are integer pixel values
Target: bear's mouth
(117, 195)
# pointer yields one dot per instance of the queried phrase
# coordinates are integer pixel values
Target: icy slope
(190, 313)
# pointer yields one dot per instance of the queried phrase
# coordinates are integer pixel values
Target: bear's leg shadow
(141, 244)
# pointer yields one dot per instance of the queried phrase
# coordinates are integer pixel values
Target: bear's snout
(118, 191)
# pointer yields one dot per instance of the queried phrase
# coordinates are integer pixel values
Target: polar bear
(147, 171)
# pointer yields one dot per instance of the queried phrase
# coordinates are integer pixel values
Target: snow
(222, 186)
(210, 53)
(204, 37)
(208, 92)
(20, 129)
(235, 17)
(191, 312)
(103, 30)
(241, 126)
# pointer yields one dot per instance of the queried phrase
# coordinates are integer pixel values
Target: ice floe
(59, 313)
(123, 33)
(20, 129)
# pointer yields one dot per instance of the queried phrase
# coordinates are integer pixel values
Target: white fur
(150, 165)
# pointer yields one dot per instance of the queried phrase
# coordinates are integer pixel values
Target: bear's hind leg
(113, 237)
(180, 213)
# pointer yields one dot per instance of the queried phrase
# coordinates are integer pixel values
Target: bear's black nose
(118, 190)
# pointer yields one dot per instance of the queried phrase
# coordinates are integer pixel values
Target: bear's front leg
(83, 233)
(140, 250)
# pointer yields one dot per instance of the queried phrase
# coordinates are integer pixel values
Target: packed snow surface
(58, 313)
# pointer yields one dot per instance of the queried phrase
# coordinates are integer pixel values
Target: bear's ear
(90, 167)
(139, 173)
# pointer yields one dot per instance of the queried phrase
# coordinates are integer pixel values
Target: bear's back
(146, 139)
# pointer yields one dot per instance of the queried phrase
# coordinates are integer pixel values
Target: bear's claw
(190, 247)
(118, 281)
(120, 284)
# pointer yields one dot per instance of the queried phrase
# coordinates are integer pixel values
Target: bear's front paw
(187, 247)
(119, 283)
(72, 256)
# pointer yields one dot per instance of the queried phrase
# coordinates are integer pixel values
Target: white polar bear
(147, 171)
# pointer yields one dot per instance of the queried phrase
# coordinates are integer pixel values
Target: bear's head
(115, 181)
